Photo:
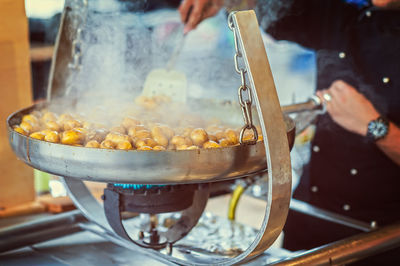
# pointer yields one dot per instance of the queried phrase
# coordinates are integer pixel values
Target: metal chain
(244, 92)
(79, 8)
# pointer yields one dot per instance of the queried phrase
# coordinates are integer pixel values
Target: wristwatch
(377, 129)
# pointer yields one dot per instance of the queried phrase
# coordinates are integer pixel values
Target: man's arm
(351, 110)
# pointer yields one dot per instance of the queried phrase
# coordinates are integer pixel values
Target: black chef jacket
(347, 174)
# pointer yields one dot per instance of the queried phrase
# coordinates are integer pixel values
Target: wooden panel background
(16, 179)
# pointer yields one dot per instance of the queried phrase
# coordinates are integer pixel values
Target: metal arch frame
(275, 141)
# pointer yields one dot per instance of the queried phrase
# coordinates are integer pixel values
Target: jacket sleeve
(316, 24)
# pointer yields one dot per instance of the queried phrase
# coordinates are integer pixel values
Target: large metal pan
(141, 167)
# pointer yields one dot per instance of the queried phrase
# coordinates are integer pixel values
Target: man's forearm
(390, 145)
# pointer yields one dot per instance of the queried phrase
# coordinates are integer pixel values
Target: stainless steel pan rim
(131, 166)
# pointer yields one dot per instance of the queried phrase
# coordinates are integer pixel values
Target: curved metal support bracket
(273, 130)
(94, 212)
(181, 228)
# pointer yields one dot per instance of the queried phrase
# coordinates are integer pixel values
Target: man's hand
(351, 110)
(201, 9)
(348, 108)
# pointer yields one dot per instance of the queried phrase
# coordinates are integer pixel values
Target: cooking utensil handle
(313, 103)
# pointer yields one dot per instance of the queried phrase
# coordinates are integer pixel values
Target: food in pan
(136, 131)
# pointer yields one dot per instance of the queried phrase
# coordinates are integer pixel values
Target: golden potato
(118, 129)
(145, 148)
(37, 135)
(87, 125)
(193, 147)
(248, 136)
(117, 137)
(133, 130)
(20, 130)
(159, 148)
(178, 140)
(92, 144)
(188, 141)
(159, 136)
(220, 135)
(129, 122)
(168, 132)
(171, 146)
(52, 136)
(224, 142)
(107, 144)
(97, 135)
(72, 137)
(33, 120)
(53, 125)
(146, 142)
(36, 113)
(212, 137)
(48, 116)
(182, 147)
(186, 131)
(64, 117)
(28, 127)
(45, 131)
(231, 136)
(124, 145)
(70, 124)
(199, 136)
(211, 144)
(82, 130)
(142, 134)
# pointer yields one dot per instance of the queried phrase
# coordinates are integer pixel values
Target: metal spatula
(168, 81)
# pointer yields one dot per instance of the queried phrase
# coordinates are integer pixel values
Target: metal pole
(349, 249)
(40, 230)
(306, 208)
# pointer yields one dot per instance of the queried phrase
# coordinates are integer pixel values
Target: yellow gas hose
(236, 194)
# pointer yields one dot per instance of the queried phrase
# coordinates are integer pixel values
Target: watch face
(377, 129)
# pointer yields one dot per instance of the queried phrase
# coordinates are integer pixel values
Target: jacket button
(346, 207)
(373, 224)
(342, 55)
(368, 13)
(316, 148)
(314, 189)
(353, 171)
(385, 80)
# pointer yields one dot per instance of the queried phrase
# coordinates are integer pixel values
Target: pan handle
(313, 103)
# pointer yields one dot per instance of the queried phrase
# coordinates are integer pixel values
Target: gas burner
(149, 198)
(153, 199)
